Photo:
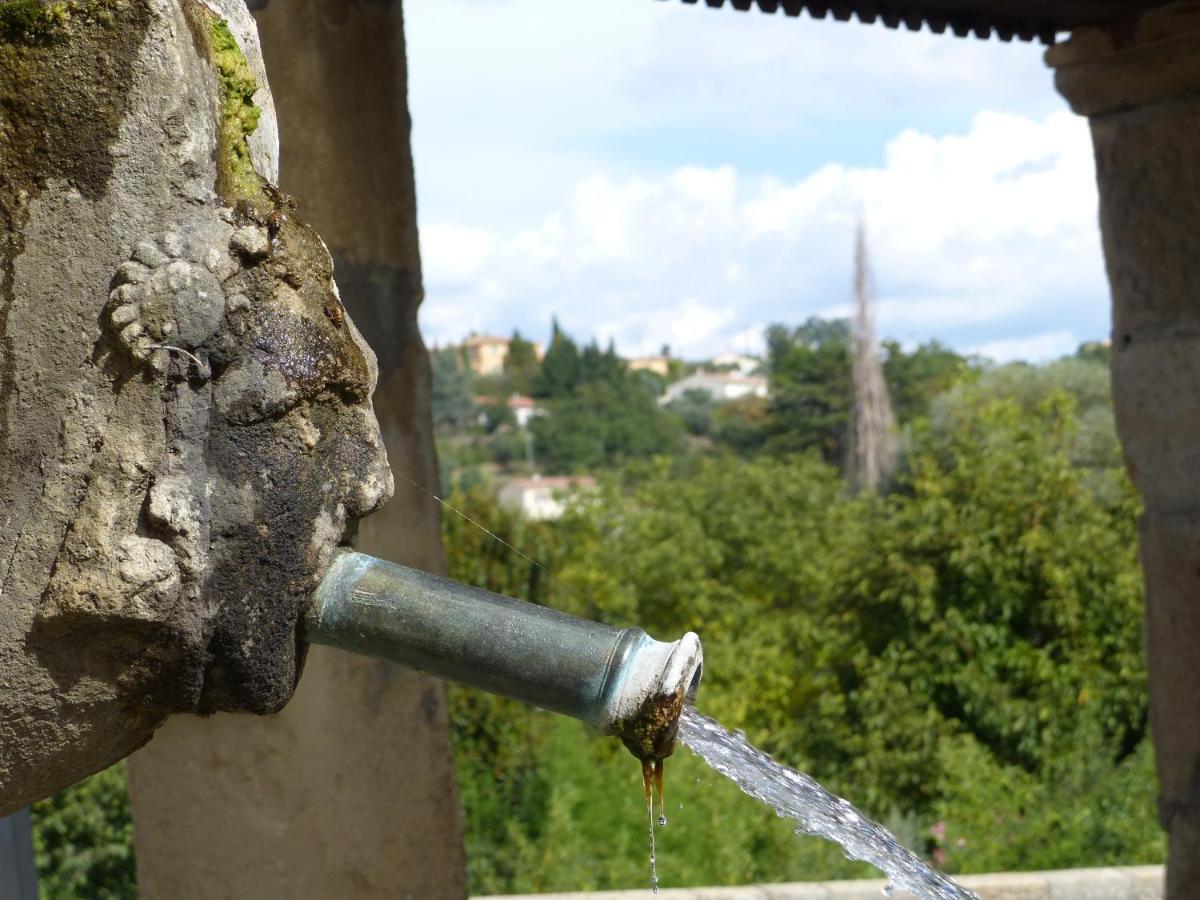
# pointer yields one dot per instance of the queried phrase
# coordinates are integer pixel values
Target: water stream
(793, 795)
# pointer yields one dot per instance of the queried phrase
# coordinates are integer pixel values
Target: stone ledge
(1123, 883)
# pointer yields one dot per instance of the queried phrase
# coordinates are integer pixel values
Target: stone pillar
(350, 790)
(1139, 84)
(18, 874)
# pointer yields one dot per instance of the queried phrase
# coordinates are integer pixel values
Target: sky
(657, 173)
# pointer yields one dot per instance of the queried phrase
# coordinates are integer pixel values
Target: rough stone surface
(185, 429)
(350, 789)
(1140, 85)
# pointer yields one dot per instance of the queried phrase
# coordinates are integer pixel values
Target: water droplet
(888, 889)
(662, 821)
(656, 889)
(681, 804)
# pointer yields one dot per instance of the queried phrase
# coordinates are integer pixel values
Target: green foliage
(560, 368)
(811, 392)
(598, 412)
(994, 596)
(497, 415)
(450, 389)
(1095, 351)
(1085, 807)
(521, 365)
(915, 379)
(603, 423)
(961, 657)
(739, 425)
(83, 840)
(1092, 445)
(696, 409)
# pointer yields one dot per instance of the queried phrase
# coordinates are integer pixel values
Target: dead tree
(873, 446)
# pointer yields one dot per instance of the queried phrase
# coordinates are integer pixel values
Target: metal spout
(618, 680)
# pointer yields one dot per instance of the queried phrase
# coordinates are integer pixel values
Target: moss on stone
(63, 73)
(31, 21)
(237, 181)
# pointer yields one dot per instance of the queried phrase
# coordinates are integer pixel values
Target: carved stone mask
(185, 418)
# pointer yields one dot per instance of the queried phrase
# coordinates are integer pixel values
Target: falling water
(653, 857)
(651, 769)
(793, 795)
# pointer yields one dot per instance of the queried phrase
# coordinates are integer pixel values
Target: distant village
(487, 360)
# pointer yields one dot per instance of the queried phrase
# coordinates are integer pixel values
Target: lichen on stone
(237, 180)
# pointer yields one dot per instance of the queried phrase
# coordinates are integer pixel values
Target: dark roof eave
(1026, 20)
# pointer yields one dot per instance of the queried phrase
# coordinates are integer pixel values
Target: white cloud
(516, 101)
(981, 239)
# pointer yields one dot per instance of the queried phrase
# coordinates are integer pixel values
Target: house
(523, 409)
(740, 363)
(659, 365)
(486, 354)
(543, 497)
(720, 386)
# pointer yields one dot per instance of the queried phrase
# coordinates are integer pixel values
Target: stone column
(350, 790)
(18, 874)
(1139, 84)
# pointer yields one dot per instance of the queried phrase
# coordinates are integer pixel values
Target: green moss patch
(31, 21)
(237, 181)
(34, 22)
(239, 115)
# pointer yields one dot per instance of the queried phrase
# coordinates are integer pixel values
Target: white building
(543, 497)
(739, 363)
(720, 386)
(523, 409)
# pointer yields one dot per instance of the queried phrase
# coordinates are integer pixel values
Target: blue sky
(658, 173)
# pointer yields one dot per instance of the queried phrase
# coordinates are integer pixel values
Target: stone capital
(1146, 58)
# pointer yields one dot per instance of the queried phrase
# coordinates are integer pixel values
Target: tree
(810, 388)
(1092, 442)
(738, 425)
(83, 839)
(873, 445)
(560, 368)
(696, 408)
(1095, 351)
(601, 365)
(521, 365)
(915, 379)
(450, 391)
(604, 423)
